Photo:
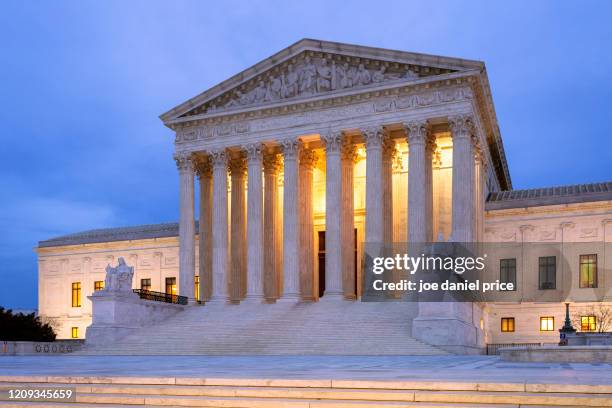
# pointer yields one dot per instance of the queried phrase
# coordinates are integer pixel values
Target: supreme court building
(298, 161)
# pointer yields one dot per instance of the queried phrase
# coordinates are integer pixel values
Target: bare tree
(602, 314)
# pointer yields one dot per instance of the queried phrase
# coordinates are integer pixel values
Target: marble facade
(333, 142)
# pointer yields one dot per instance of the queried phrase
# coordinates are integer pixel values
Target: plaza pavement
(398, 368)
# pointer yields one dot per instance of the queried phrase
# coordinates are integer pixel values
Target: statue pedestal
(116, 314)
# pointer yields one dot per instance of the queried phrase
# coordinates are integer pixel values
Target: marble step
(168, 392)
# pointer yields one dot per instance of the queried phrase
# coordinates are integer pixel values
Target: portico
(321, 140)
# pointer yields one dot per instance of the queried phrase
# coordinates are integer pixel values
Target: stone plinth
(558, 354)
(118, 314)
(452, 326)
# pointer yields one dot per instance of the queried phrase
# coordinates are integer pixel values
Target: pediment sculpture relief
(308, 75)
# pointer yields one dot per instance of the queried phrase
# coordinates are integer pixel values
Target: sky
(82, 84)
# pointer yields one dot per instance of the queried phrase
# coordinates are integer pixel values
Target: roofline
(307, 44)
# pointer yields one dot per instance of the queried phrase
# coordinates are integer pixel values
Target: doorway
(321, 263)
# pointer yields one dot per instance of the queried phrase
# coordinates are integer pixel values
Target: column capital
(254, 151)
(374, 136)
(203, 165)
(237, 164)
(184, 161)
(271, 162)
(333, 140)
(348, 151)
(308, 158)
(291, 147)
(388, 149)
(417, 131)
(218, 158)
(462, 126)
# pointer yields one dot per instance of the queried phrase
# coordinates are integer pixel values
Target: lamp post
(567, 327)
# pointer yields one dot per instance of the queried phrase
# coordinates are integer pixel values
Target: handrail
(161, 297)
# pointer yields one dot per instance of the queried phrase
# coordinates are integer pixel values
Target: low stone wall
(26, 348)
(119, 314)
(589, 339)
(558, 354)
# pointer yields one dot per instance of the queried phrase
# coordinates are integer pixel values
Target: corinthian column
(420, 189)
(333, 214)
(479, 190)
(186, 225)
(271, 164)
(220, 239)
(347, 226)
(237, 167)
(255, 237)
(291, 235)
(308, 283)
(204, 170)
(463, 178)
(388, 154)
(374, 184)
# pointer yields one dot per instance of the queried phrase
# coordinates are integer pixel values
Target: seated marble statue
(119, 279)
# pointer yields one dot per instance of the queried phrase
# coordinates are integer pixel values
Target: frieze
(310, 74)
(305, 117)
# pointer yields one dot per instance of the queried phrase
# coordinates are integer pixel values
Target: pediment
(312, 68)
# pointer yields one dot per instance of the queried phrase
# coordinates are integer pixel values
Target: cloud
(28, 220)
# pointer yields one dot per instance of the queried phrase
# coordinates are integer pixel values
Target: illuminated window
(76, 294)
(196, 282)
(547, 266)
(588, 271)
(547, 323)
(507, 271)
(98, 285)
(507, 324)
(145, 284)
(588, 323)
(74, 333)
(171, 286)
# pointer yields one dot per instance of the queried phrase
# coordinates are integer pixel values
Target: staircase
(278, 393)
(321, 328)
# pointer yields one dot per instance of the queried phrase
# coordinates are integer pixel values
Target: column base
(332, 297)
(289, 299)
(254, 300)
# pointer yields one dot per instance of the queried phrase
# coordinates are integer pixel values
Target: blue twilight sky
(82, 84)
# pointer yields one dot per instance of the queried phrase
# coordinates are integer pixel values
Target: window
(548, 272)
(196, 282)
(171, 286)
(588, 271)
(74, 333)
(98, 285)
(145, 284)
(547, 323)
(507, 324)
(588, 323)
(507, 271)
(76, 294)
